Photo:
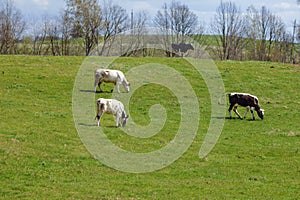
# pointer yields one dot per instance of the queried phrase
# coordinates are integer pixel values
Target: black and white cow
(114, 107)
(245, 100)
(182, 47)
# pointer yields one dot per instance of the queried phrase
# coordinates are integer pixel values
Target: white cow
(110, 76)
(111, 106)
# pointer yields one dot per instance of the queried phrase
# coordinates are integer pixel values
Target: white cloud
(41, 2)
(283, 5)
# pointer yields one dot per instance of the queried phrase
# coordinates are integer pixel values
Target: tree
(176, 20)
(85, 17)
(53, 34)
(183, 21)
(277, 35)
(39, 28)
(228, 25)
(298, 35)
(269, 39)
(115, 21)
(265, 21)
(12, 26)
(65, 30)
(133, 42)
(252, 23)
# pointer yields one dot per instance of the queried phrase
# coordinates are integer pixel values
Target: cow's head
(124, 118)
(190, 46)
(126, 86)
(261, 113)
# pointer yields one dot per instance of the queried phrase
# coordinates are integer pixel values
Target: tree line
(254, 34)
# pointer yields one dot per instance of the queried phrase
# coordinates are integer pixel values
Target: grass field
(42, 156)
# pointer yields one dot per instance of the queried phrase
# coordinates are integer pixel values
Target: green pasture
(42, 156)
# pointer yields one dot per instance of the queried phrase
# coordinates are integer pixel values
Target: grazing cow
(110, 76)
(182, 47)
(114, 107)
(245, 100)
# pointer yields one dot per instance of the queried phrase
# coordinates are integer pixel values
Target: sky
(288, 10)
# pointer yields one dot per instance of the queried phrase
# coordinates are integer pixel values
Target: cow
(245, 100)
(182, 47)
(114, 107)
(110, 76)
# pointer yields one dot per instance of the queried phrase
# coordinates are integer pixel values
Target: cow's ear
(123, 115)
(102, 73)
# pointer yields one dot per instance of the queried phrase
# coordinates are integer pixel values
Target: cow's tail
(221, 97)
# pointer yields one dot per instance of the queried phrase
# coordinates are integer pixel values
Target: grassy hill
(42, 156)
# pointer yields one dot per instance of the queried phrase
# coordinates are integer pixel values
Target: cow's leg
(230, 109)
(117, 118)
(95, 84)
(246, 111)
(236, 112)
(252, 112)
(99, 85)
(99, 118)
(116, 88)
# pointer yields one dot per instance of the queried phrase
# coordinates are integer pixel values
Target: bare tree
(293, 50)
(86, 20)
(176, 21)
(139, 27)
(257, 29)
(183, 21)
(135, 40)
(54, 37)
(39, 30)
(12, 26)
(265, 21)
(252, 23)
(115, 21)
(228, 25)
(298, 35)
(269, 39)
(277, 35)
(162, 21)
(65, 29)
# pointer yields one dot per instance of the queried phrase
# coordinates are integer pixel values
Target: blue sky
(288, 10)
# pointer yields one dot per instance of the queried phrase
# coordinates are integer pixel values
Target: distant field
(42, 156)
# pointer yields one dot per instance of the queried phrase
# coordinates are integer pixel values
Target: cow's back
(113, 106)
(117, 105)
(243, 99)
(106, 75)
